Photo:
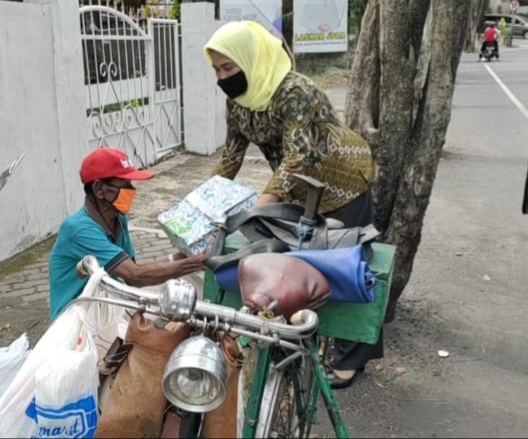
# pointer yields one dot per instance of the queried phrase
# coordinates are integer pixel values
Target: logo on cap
(126, 163)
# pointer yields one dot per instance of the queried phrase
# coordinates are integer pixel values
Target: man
(100, 229)
(491, 36)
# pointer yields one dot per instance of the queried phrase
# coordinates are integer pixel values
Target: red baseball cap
(110, 163)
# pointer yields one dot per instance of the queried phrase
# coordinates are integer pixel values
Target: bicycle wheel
(284, 411)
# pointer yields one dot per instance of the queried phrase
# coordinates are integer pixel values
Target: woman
(298, 131)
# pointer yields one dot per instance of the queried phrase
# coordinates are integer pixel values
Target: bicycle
(177, 301)
(284, 359)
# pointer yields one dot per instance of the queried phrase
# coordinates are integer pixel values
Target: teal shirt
(79, 235)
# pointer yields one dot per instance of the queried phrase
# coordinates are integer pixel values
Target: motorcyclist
(491, 36)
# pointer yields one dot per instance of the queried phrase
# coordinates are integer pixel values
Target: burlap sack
(136, 404)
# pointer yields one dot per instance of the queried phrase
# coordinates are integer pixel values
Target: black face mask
(235, 85)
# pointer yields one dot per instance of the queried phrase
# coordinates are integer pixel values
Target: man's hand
(155, 273)
(267, 199)
(178, 256)
(189, 265)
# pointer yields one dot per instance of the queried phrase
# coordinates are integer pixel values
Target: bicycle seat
(288, 283)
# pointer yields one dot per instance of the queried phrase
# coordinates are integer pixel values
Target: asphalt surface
(468, 292)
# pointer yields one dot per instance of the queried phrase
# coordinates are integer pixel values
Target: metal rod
(289, 359)
(111, 301)
(329, 400)
(89, 265)
(309, 321)
(116, 37)
(268, 339)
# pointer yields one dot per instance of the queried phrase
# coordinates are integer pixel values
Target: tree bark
(477, 9)
(420, 45)
(396, 90)
(419, 10)
(362, 101)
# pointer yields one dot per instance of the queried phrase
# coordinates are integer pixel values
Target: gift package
(191, 222)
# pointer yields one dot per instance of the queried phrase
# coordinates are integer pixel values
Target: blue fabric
(79, 235)
(227, 278)
(346, 269)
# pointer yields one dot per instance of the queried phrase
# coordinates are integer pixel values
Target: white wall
(41, 112)
(203, 102)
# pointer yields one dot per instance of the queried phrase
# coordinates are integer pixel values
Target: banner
(266, 12)
(320, 26)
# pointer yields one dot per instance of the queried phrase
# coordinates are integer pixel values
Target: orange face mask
(123, 202)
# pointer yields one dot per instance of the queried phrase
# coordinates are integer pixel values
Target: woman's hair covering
(258, 53)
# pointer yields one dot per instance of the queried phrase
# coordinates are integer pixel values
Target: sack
(223, 421)
(11, 359)
(136, 403)
(54, 394)
(280, 221)
(290, 283)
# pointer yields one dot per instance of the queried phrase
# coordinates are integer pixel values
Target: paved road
(468, 290)
(467, 293)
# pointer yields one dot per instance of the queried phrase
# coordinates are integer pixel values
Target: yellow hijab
(258, 53)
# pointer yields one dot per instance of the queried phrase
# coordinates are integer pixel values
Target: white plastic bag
(65, 403)
(55, 392)
(11, 359)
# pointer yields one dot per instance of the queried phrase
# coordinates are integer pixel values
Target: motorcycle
(489, 52)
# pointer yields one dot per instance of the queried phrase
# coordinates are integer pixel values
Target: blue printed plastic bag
(65, 402)
(77, 419)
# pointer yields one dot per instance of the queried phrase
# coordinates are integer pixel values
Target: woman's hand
(267, 199)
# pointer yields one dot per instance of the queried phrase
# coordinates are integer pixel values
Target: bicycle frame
(320, 383)
(307, 414)
(178, 302)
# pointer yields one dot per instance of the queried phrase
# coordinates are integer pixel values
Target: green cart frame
(300, 377)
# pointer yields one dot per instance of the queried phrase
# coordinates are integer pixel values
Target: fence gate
(132, 82)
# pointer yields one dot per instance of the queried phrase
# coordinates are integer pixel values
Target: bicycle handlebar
(178, 302)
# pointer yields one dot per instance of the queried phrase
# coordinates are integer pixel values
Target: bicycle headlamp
(195, 377)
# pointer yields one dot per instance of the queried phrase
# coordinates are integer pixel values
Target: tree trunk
(362, 102)
(420, 44)
(478, 7)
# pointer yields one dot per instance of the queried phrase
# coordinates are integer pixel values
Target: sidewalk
(24, 293)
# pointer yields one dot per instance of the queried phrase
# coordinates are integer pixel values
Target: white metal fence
(132, 82)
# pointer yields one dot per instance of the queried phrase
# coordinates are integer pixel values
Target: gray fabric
(280, 221)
